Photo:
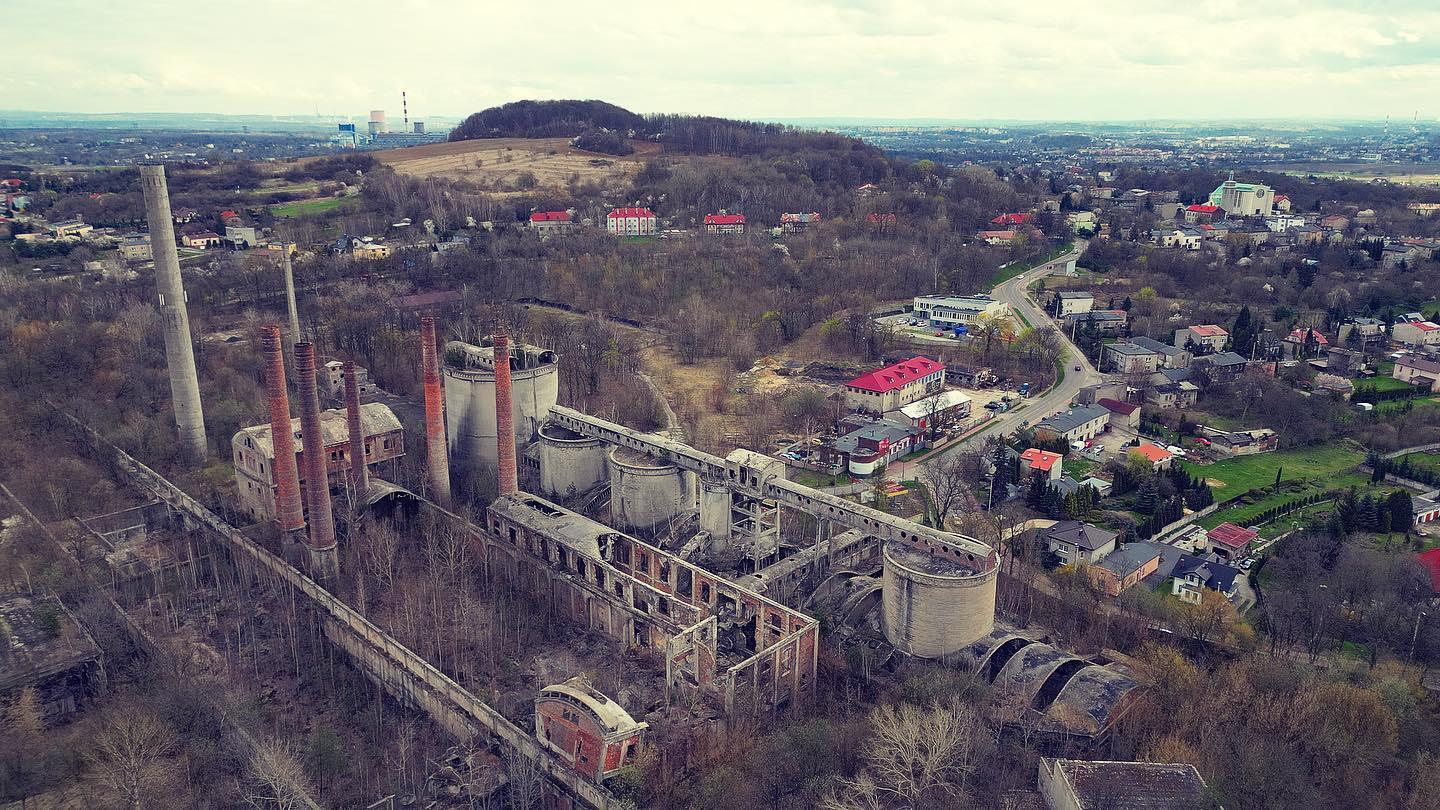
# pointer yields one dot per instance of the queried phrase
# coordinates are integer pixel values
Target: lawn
(1397, 404)
(1387, 384)
(1237, 475)
(1014, 269)
(310, 208)
(1295, 519)
(1244, 514)
(1424, 461)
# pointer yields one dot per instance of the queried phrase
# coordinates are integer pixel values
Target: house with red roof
(1034, 460)
(1196, 214)
(797, 222)
(546, 223)
(895, 386)
(1416, 333)
(1305, 342)
(1282, 203)
(1158, 456)
(1125, 414)
(1231, 541)
(1205, 338)
(997, 237)
(724, 223)
(1005, 220)
(630, 222)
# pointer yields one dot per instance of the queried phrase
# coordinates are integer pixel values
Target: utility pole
(1415, 636)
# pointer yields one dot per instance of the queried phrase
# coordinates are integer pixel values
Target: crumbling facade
(584, 728)
(43, 647)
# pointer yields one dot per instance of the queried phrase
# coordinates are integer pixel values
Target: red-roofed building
(724, 223)
(1126, 414)
(1282, 203)
(549, 222)
(1430, 560)
(1206, 338)
(793, 223)
(996, 237)
(895, 386)
(1202, 213)
(1012, 219)
(1306, 343)
(12, 183)
(1158, 456)
(1231, 541)
(1034, 460)
(630, 222)
(1416, 333)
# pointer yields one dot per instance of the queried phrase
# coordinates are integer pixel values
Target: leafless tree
(524, 779)
(946, 479)
(128, 761)
(275, 779)
(916, 757)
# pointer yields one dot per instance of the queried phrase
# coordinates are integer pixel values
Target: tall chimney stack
(436, 453)
(179, 352)
(504, 416)
(289, 512)
(359, 472)
(324, 566)
(289, 269)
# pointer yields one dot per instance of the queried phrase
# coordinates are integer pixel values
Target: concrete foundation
(645, 493)
(179, 352)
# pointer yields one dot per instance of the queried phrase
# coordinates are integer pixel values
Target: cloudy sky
(1031, 59)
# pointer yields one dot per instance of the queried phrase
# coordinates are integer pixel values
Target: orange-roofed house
(1044, 462)
(1231, 541)
(1158, 456)
(895, 386)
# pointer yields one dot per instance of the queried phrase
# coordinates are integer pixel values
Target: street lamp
(1415, 636)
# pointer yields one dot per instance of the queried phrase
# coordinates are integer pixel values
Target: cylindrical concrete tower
(936, 599)
(569, 462)
(289, 511)
(715, 513)
(324, 564)
(470, 398)
(179, 352)
(359, 472)
(506, 466)
(436, 459)
(646, 493)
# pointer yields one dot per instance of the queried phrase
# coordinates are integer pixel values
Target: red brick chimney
(504, 416)
(317, 483)
(289, 511)
(359, 472)
(436, 453)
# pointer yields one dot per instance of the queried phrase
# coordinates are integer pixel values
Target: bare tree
(946, 479)
(916, 757)
(276, 779)
(128, 761)
(524, 779)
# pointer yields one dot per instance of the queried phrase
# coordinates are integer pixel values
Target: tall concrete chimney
(179, 352)
(289, 270)
(289, 512)
(324, 565)
(504, 416)
(436, 453)
(359, 472)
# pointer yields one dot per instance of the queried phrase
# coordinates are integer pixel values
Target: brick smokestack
(359, 472)
(179, 352)
(436, 453)
(323, 563)
(289, 512)
(504, 416)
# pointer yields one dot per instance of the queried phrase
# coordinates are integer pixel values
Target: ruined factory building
(254, 453)
(42, 646)
(590, 732)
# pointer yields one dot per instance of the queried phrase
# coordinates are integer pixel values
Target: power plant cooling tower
(936, 599)
(470, 398)
(647, 493)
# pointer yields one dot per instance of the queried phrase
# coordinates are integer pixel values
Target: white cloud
(1042, 59)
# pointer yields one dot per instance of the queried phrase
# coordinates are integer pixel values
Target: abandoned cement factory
(663, 550)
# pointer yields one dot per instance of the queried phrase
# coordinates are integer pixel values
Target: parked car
(1246, 563)
(1077, 366)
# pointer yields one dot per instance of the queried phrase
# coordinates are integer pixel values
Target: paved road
(1058, 397)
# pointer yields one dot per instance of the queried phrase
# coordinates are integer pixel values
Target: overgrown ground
(500, 161)
(1233, 476)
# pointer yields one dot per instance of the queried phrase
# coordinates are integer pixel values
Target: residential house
(1129, 358)
(1075, 425)
(1343, 361)
(1399, 254)
(1202, 339)
(1170, 396)
(1365, 216)
(1124, 567)
(1081, 220)
(1004, 237)
(1186, 238)
(896, 385)
(204, 240)
(1216, 231)
(1158, 457)
(1092, 394)
(546, 223)
(70, 229)
(1198, 214)
(1282, 204)
(367, 249)
(949, 311)
(1122, 414)
(1221, 368)
(1308, 235)
(1008, 220)
(1071, 302)
(1280, 223)
(1069, 486)
(1305, 342)
(183, 216)
(1365, 331)
(1418, 372)
(1335, 222)
(1105, 321)
(724, 223)
(1192, 576)
(1231, 541)
(1075, 542)
(1228, 443)
(1170, 356)
(798, 222)
(630, 222)
(135, 247)
(241, 237)
(1047, 464)
(1416, 333)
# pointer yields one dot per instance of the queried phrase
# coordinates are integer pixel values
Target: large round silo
(570, 463)
(469, 372)
(715, 513)
(937, 598)
(647, 493)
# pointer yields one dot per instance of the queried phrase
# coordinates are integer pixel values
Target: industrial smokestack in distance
(294, 312)
(359, 472)
(437, 457)
(289, 511)
(324, 565)
(179, 352)
(504, 416)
